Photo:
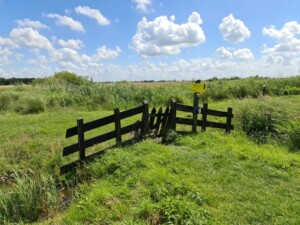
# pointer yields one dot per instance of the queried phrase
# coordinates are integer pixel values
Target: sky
(150, 39)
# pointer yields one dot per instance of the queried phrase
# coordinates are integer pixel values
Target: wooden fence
(116, 118)
(204, 111)
(159, 121)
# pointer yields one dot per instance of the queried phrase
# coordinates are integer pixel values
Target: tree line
(14, 81)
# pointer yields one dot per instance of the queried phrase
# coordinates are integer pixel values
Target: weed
(169, 137)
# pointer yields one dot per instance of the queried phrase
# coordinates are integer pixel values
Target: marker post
(197, 88)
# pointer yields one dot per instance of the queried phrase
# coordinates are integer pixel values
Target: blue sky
(150, 39)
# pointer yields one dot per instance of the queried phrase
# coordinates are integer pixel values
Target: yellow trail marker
(198, 87)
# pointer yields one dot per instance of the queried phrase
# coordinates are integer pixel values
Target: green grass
(208, 178)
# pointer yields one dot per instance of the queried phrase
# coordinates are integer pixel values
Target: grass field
(2, 87)
(251, 176)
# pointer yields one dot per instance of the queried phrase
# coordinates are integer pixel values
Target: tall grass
(30, 106)
(62, 91)
(28, 198)
(269, 120)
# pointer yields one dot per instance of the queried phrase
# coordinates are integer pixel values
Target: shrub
(30, 106)
(28, 199)
(61, 79)
(70, 78)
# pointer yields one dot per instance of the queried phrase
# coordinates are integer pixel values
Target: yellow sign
(198, 87)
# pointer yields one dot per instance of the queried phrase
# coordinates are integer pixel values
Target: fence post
(81, 139)
(204, 116)
(118, 127)
(228, 120)
(145, 118)
(173, 114)
(195, 112)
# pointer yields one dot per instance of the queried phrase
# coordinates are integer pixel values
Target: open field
(2, 87)
(251, 176)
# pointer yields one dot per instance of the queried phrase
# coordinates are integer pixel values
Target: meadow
(250, 176)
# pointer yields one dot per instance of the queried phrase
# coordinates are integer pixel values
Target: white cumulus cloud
(142, 5)
(8, 42)
(163, 36)
(92, 13)
(242, 54)
(67, 21)
(4, 56)
(233, 30)
(71, 43)
(223, 53)
(106, 53)
(287, 48)
(68, 55)
(30, 38)
(288, 31)
(31, 23)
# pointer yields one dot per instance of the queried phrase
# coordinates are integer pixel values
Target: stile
(164, 120)
(118, 127)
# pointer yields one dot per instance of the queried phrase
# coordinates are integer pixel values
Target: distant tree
(213, 79)
(14, 81)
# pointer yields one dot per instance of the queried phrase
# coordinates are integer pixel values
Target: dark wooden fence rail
(116, 118)
(159, 121)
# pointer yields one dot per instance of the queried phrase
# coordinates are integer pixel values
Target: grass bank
(206, 178)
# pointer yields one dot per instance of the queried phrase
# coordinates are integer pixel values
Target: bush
(30, 106)
(28, 199)
(61, 80)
